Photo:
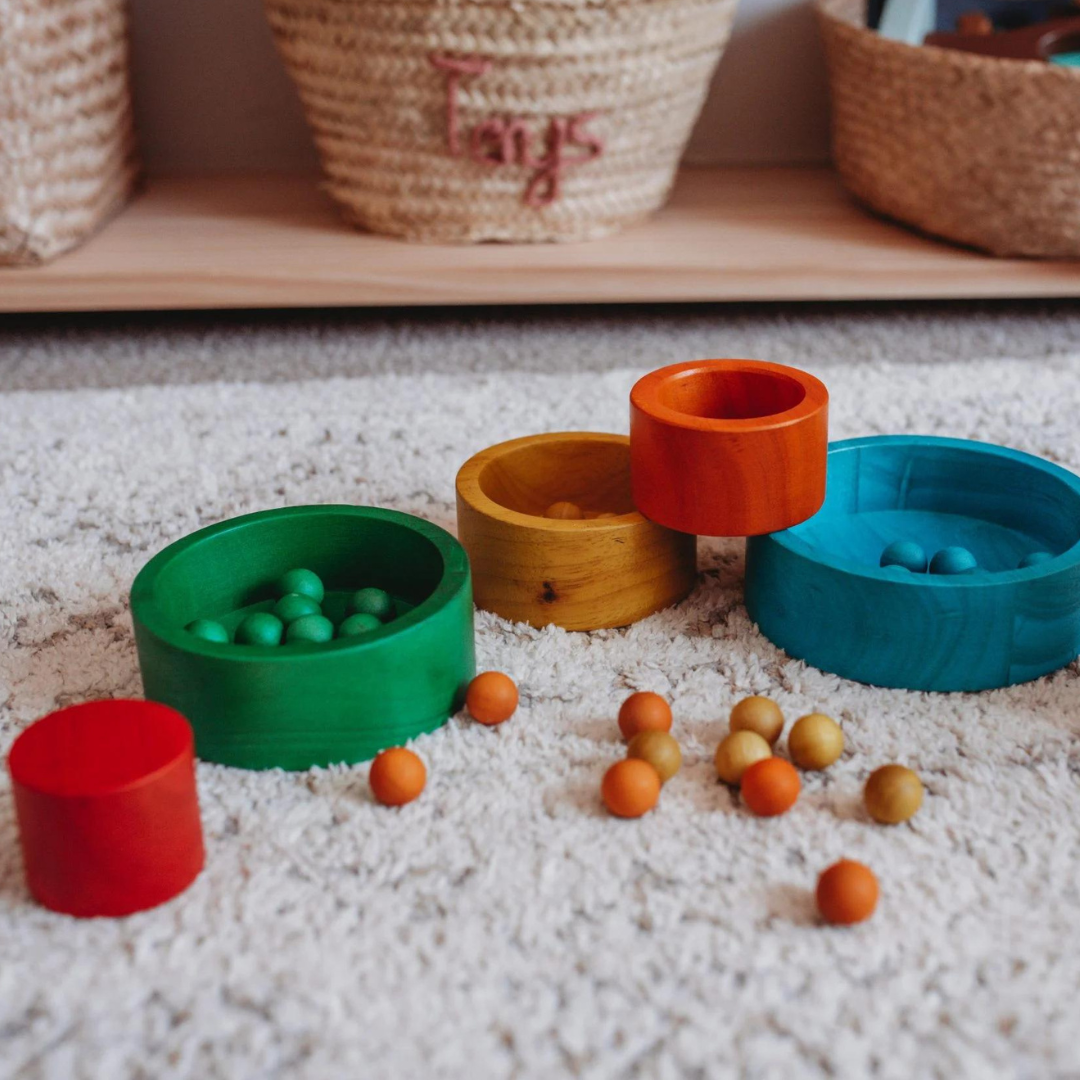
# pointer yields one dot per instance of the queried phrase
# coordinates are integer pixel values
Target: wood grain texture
(727, 234)
(297, 705)
(728, 447)
(577, 574)
(818, 591)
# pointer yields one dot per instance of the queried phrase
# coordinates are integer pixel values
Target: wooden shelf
(728, 234)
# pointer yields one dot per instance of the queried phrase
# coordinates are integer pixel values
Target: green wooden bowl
(297, 705)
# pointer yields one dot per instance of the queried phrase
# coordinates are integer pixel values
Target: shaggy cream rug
(504, 925)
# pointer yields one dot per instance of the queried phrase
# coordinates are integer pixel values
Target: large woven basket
(67, 157)
(470, 120)
(979, 150)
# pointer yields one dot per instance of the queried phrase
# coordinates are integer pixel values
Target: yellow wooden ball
(659, 749)
(758, 714)
(893, 794)
(738, 752)
(815, 741)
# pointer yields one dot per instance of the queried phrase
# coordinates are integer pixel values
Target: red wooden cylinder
(728, 447)
(107, 808)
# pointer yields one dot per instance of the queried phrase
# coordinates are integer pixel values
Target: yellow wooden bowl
(578, 574)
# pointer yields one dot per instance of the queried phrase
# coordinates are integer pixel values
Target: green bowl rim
(455, 577)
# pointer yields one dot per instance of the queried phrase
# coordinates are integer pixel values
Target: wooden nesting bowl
(728, 447)
(580, 574)
(296, 705)
(819, 592)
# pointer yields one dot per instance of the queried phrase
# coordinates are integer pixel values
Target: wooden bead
(738, 752)
(580, 575)
(893, 794)
(371, 601)
(660, 750)
(397, 776)
(905, 553)
(847, 893)
(208, 630)
(565, 511)
(310, 630)
(491, 698)
(815, 742)
(759, 714)
(953, 560)
(644, 711)
(357, 625)
(293, 606)
(728, 447)
(770, 787)
(260, 628)
(630, 788)
(304, 582)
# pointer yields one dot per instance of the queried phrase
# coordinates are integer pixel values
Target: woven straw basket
(470, 120)
(979, 150)
(67, 157)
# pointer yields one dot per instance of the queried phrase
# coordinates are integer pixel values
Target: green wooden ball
(314, 629)
(358, 624)
(303, 582)
(260, 628)
(208, 630)
(372, 602)
(293, 606)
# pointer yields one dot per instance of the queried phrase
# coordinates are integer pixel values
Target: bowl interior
(998, 504)
(594, 474)
(730, 394)
(232, 572)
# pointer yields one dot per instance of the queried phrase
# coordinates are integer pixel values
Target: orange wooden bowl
(728, 447)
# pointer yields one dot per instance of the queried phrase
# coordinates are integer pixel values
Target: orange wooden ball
(564, 511)
(397, 776)
(770, 787)
(630, 788)
(644, 711)
(847, 893)
(491, 698)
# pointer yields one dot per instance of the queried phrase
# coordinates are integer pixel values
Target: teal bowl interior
(295, 705)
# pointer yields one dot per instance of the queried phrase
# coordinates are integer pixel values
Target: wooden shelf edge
(763, 234)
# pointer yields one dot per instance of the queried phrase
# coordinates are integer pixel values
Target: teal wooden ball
(303, 582)
(357, 625)
(260, 628)
(1034, 558)
(953, 560)
(293, 606)
(905, 553)
(208, 630)
(314, 629)
(372, 602)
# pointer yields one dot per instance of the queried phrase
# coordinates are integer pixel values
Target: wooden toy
(397, 776)
(310, 629)
(893, 794)
(644, 711)
(953, 560)
(847, 893)
(738, 752)
(358, 624)
(491, 698)
(302, 582)
(631, 788)
(106, 806)
(770, 787)
(659, 749)
(372, 601)
(758, 714)
(565, 511)
(817, 591)
(293, 606)
(577, 574)
(905, 553)
(1034, 558)
(260, 628)
(728, 447)
(208, 630)
(294, 706)
(815, 742)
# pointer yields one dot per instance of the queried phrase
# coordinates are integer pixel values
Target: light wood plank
(728, 234)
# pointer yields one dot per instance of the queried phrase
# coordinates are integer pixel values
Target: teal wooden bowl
(819, 590)
(297, 705)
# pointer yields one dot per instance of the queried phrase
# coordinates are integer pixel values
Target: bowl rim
(470, 491)
(146, 612)
(645, 396)
(1067, 560)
